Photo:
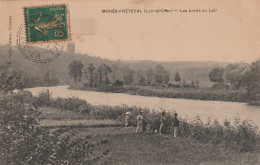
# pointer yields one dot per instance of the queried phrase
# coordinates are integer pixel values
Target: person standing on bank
(163, 120)
(140, 120)
(175, 123)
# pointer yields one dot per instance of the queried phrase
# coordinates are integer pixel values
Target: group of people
(141, 125)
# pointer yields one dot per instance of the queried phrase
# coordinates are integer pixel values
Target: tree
(166, 77)
(149, 74)
(99, 75)
(11, 80)
(90, 71)
(197, 82)
(95, 79)
(177, 77)
(141, 80)
(128, 77)
(75, 70)
(114, 69)
(234, 74)
(49, 80)
(118, 83)
(161, 75)
(102, 72)
(106, 70)
(159, 71)
(252, 82)
(216, 75)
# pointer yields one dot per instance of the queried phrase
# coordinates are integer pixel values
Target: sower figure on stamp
(140, 122)
(175, 123)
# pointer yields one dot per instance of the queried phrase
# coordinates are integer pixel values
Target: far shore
(180, 93)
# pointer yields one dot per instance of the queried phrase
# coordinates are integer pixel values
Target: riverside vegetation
(167, 92)
(23, 141)
(242, 136)
(236, 82)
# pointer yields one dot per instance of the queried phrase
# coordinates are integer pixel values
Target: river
(185, 108)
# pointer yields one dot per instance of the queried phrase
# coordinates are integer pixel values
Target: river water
(185, 108)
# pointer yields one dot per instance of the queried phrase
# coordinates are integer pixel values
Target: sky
(231, 34)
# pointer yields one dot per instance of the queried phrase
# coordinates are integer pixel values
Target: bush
(242, 137)
(220, 86)
(44, 98)
(73, 103)
(23, 142)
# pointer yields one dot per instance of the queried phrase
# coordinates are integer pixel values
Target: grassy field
(54, 117)
(127, 147)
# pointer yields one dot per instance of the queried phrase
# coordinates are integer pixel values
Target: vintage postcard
(130, 82)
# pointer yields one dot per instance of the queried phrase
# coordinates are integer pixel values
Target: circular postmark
(42, 52)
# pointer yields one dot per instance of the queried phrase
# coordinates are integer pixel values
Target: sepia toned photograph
(129, 82)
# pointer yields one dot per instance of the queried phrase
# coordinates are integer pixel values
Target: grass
(54, 117)
(126, 147)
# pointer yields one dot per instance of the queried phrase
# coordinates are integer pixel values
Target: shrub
(220, 86)
(241, 137)
(73, 103)
(23, 142)
(44, 98)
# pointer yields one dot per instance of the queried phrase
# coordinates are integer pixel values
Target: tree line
(95, 76)
(237, 76)
(15, 78)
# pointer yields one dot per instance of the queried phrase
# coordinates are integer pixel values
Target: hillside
(189, 70)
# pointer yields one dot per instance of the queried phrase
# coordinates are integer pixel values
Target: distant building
(71, 48)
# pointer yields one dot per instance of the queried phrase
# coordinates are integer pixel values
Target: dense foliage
(104, 75)
(252, 83)
(22, 141)
(75, 70)
(10, 80)
(227, 83)
(216, 75)
(235, 74)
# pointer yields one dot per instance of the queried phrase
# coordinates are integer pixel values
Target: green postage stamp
(46, 23)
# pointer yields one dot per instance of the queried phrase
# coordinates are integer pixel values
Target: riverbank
(124, 146)
(96, 135)
(242, 136)
(167, 92)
